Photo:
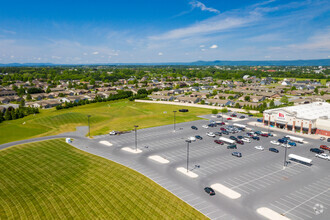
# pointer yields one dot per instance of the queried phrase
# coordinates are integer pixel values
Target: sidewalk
(261, 125)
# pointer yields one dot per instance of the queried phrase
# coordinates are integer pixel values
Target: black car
(241, 117)
(198, 137)
(225, 132)
(316, 150)
(240, 137)
(240, 142)
(194, 127)
(256, 138)
(183, 110)
(328, 140)
(209, 191)
(233, 138)
(273, 150)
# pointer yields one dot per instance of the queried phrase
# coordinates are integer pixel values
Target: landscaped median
(53, 180)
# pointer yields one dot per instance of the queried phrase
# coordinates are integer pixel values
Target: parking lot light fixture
(286, 148)
(135, 126)
(174, 120)
(89, 128)
(188, 142)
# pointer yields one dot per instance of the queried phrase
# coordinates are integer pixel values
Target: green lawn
(105, 116)
(53, 180)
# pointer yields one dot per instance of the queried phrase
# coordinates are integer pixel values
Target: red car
(221, 123)
(325, 147)
(233, 115)
(218, 142)
(229, 118)
(264, 135)
(240, 142)
(223, 129)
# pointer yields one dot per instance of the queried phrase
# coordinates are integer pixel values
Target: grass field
(53, 180)
(105, 116)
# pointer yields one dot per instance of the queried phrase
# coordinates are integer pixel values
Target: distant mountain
(320, 62)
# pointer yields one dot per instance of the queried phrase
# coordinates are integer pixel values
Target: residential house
(7, 93)
(251, 104)
(161, 98)
(4, 100)
(219, 102)
(255, 98)
(191, 100)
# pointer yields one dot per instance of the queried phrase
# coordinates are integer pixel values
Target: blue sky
(77, 32)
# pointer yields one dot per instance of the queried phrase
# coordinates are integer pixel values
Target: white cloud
(202, 46)
(95, 53)
(198, 4)
(85, 54)
(214, 46)
(203, 49)
(160, 54)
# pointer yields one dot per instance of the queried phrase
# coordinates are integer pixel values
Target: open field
(53, 180)
(105, 116)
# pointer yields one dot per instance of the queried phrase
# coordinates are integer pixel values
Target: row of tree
(12, 113)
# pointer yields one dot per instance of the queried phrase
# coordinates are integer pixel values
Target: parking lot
(296, 191)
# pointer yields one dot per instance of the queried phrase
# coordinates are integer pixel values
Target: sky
(153, 31)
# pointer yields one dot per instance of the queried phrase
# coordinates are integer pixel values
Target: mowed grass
(105, 116)
(53, 180)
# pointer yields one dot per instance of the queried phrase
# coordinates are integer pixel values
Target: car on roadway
(113, 132)
(219, 116)
(199, 137)
(232, 146)
(236, 154)
(259, 147)
(323, 156)
(205, 126)
(209, 191)
(275, 142)
(194, 127)
(256, 138)
(324, 147)
(210, 134)
(229, 119)
(273, 150)
(247, 140)
(192, 138)
(218, 133)
(316, 150)
(242, 117)
(218, 142)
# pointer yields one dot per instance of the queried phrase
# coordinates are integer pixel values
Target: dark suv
(194, 127)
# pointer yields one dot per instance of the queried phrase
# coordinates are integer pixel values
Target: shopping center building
(313, 118)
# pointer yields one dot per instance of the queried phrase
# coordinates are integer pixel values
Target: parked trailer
(239, 125)
(227, 140)
(300, 159)
(293, 138)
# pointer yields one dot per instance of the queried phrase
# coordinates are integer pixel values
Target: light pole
(188, 142)
(89, 128)
(285, 154)
(135, 126)
(174, 119)
(268, 122)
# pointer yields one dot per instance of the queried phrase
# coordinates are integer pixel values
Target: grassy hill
(105, 116)
(53, 180)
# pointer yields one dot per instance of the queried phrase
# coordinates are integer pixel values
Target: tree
(48, 90)
(247, 98)
(7, 115)
(284, 100)
(22, 103)
(224, 110)
(272, 104)
(316, 91)
(28, 96)
(237, 105)
(142, 91)
(215, 111)
(203, 102)
(322, 93)
(293, 88)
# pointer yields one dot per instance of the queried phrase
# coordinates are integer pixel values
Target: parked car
(250, 115)
(232, 146)
(275, 142)
(247, 140)
(236, 154)
(270, 134)
(194, 127)
(322, 138)
(259, 120)
(258, 132)
(198, 137)
(205, 126)
(183, 110)
(223, 129)
(281, 141)
(324, 147)
(225, 132)
(233, 115)
(328, 140)
(212, 125)
(259, 147)
(233, 138)
(316, 150)
(240, 137)
(219, 116)
(209, 191)
(291, 143)
(229, 119)
(264, 134)
(256, 138)
(210, 134)
(192, 138)
(242, 117)
(218, 133)
(221, 123)
(323, 156)
(218, 142)
(273, 150)
(239, 142)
